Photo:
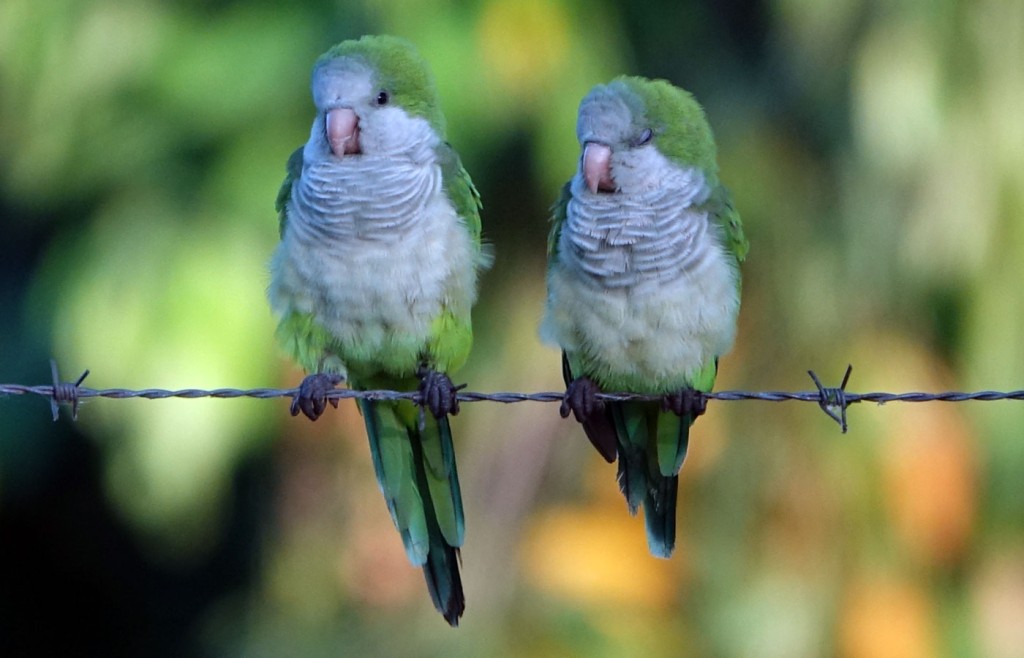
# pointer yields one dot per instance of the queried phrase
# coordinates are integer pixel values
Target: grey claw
(581, 399)
(311, 398)
(685, 402)
(438, 394)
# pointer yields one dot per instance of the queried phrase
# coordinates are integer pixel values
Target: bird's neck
(362, 197)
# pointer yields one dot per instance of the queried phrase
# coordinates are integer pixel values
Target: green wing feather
(558, 214)
(284, 195)
(720, 207)
(459, 188)
(451, 334)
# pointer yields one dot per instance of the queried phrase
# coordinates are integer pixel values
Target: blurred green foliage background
(875, 150)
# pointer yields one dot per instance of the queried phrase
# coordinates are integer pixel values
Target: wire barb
(833, 401)
(64, 392)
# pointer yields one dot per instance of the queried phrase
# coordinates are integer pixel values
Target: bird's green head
(372, 95)
(623, 125)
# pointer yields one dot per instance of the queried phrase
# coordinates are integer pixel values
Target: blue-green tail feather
(673, 440)
(417, 474)
(651, 448)
(632, 474)
(660, 515)
(441, 570)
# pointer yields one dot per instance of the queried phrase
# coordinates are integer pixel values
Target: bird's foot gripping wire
(685, 402)
(438, 393)
(311, 397)
(581, 399)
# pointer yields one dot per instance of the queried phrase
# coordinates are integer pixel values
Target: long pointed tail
(444, 581)
(417, 474)
(652, 446)
(438, 482)
(660, 515)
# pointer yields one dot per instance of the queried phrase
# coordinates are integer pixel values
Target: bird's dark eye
(645, 137)
(383, 97)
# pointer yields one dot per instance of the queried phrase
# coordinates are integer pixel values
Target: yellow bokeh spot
(882, 619)
(598, 554)
(524, 44)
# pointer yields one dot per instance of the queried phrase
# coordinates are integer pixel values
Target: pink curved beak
(343, 131)
(597, 167)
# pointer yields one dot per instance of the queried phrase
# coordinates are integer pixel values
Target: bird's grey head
(357, 115)
(615, 140)
(610, 114)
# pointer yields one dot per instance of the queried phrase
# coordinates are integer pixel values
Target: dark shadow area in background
(75, 583)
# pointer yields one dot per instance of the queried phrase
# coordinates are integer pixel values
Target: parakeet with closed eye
(643, 284)
(374, 277)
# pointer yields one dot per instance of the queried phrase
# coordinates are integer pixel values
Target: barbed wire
(834, 401)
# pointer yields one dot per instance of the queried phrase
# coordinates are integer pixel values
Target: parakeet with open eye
(374, 278)
(643, 284)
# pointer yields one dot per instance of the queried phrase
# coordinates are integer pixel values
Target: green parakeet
(643, 284)
(374, 277)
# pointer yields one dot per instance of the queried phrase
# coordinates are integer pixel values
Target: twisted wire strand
(507, 397)
(833, 401)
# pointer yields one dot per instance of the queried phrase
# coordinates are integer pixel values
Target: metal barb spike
(833, 400)
(64, 392)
